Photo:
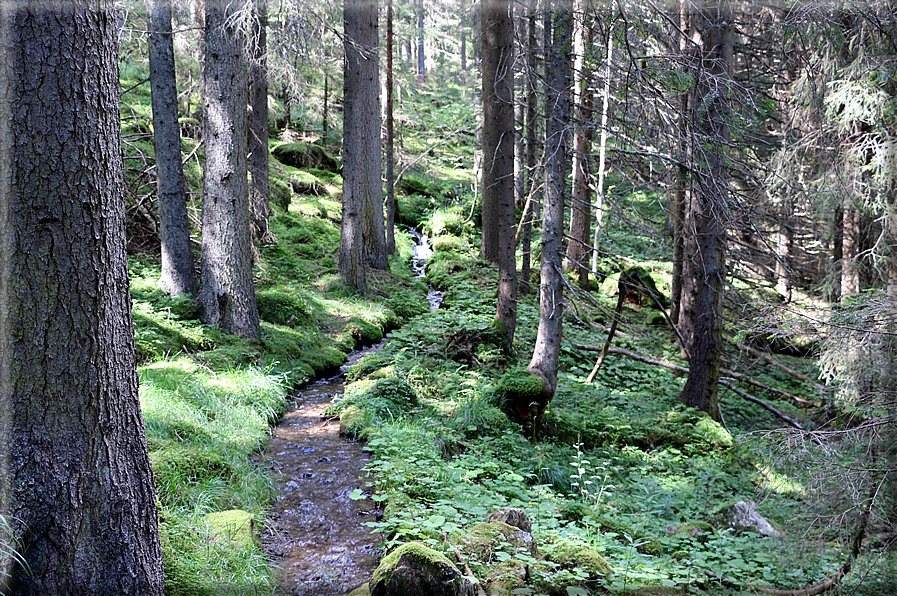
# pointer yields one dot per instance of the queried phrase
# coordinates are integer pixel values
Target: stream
(317, 537)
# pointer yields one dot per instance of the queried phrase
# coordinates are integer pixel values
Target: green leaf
(357, 495)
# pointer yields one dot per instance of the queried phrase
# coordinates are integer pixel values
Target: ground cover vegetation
(626, 487)
(781, 154)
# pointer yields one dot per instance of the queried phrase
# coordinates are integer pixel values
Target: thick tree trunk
(498, 149)
(581, 198)
(850, 243)
(75, 477)
(390, 133)
(178, 277)
(551, 299)
(226, 291)
(258, 134)
(362, 239)
(704, 269)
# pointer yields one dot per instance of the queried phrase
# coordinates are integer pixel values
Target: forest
(596, 297)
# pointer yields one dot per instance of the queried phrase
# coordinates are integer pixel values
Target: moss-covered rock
(483, 540)
(447, 242)
(569, 556)
(361, 332)
(696, 529)
(513, 516)
(235, 527)
(305, 156)
(414, 569)
(362, 590)
(189, 463)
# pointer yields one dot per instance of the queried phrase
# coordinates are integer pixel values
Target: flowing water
(317, 536)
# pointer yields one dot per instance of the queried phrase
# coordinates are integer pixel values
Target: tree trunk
(498, 149)
(178, 277)
(551, 299)
(390, 133)
(421, 57)
(602, 151)
(704, 269)
(532, 119)
(75, 477)
(850, 267)
(258, 137)
(361, 147)
(463, 34)
(226, 292)
(784, 240)
(581, 206)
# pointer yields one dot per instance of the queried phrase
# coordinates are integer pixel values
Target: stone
(414, 569)
(512, 516)
(743, 515)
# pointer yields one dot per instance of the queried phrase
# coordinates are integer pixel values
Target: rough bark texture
(703, 267)
(581, 198)
(75, 476)
(390, 134)
(551, 300)
(258, 128)
(498, 148)
(226, 292)
(361, 145)
(178, 276)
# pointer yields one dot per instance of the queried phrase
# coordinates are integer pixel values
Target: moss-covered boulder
(569, 556)
(414, 569)
(351, 422)
(482, 541)
(189, 463)
(696, 529)
(362, 590)
(234, 527)
(358, 332)
(305, 156)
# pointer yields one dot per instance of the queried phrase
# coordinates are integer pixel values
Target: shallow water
(317, 537)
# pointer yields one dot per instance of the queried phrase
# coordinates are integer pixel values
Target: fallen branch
(770, 360)
(681, 369)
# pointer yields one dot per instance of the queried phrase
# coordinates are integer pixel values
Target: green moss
(695, 528)
(367, 365)
(351, 421)
(569, 556)
(171, 460)
(283, 305)
(361, 332)
(362, 590)
(445, 220)
(483, 540)
(416, 551)
(234, 527)
(448, 242)
(520, 383)
(305, 156)
(181, 558)
(507, 576)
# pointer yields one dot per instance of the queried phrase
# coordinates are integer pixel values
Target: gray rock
(513, 517)
(743, 515)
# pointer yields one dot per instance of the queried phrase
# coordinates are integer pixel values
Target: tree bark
(421, 57)
(850, 243)
(532, 119)
(704, 269)
(390, 133)
(226, 292)
(551, 299)
(75, 477)
(602, 151)
(258, 137)
(498, 149)
(178, 277)
(581, 198)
